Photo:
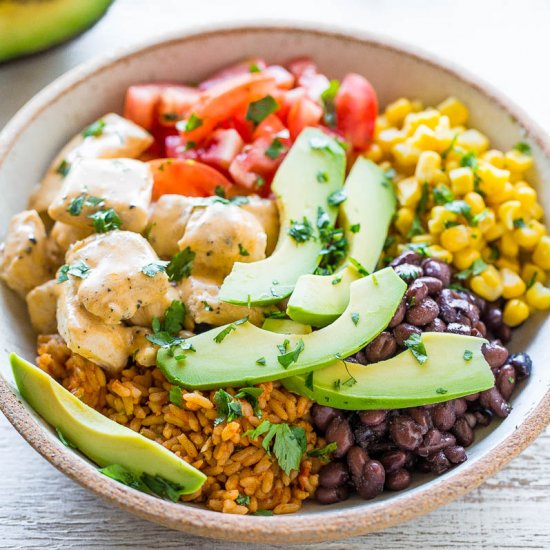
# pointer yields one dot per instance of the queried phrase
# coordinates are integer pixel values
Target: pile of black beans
(380, 449)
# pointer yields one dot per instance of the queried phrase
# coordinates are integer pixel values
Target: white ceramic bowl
(38, 131)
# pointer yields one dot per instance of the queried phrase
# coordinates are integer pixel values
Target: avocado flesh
(402, 381)
(102, 440)
(318, 300)
(285, 326)
(299, 194)
(233, 361)
(28, 26)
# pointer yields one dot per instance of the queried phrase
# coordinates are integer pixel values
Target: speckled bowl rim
(333, 523)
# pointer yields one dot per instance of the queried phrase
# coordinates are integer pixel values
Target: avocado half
(29, 26)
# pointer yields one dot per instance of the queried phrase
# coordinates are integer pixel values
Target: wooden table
(506, 42)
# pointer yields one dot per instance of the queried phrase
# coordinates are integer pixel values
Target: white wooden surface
(505, 42)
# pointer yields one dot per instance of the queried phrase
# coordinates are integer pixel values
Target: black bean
(409, 272)
(522, 364)
(423, 313)
(356, 458)
(403, 331)
(381, 429)
(372, 481)
(463, 433)
(325, 495)
(470, 417)
(322, 416)
(506, 381)
(382, 347)
(456, 454)
(334, 474)
(361, 357)
(407, 257)
(339, 431)
(399, 314)
(437, 325)
(397, 481)
(372, 418)
(438, 463)
(416, 292)
(435, 286)
(504, 333)
(434, 441)
(484, 417)
(460, 406)
(437, 269)
(443, 416)
(363, 435)
(495, 354)
(472, 397)
(491, 399)
(393, 461)
(422, 417)
(406, 433)
(493, 316)
(458, 328)
(481, 328)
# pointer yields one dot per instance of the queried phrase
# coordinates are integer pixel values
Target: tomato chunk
(356, 110)
(141, 103)
(175, 103)
(308, 77)
(244, 67)
(283, 78)
(303, 112)
(185, 177)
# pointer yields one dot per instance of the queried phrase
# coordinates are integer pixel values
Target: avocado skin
(401, 381)
(299, 195)
(102, 440)
(233, 361)
(30, 26)
(316, 300)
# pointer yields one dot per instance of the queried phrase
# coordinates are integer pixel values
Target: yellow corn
(492, 178)
(424, 238)
(508, 263)
(439, 253)
(438, 216)
(375, 153)
(405, 154)
(488, 284)
(473, 140)
(455, 238)
(380, 125)
(512, 284)
(487, 221)
(462, 180)
(509, 212)
(464, 258)
(538, 296)
(495, 232)
(515, 312)
(428, 166)
(429, 117)
(505, 194)
(388, 138)
(403, 220)
(527, 237)
(409, 191)
(397, 111)
(536, 211)
(424, 138)
(476, 239)
(508, 246)
(518, 162)
(494, 157)
(476, 202)
(541, 256)
(525, 194)
(531, 273)
(455, 110)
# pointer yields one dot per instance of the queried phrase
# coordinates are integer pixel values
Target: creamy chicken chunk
(144, 315)
(125, 185)
(221, 235)
(115, 288)
(201, 298)
(61, 237)
(114, 137)
(265, 211)
(42, 306)
(167, 222)
(24, 260)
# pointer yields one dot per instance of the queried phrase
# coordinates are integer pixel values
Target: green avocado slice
(285, 326)
(313, 170)
(243, 354)
(365, 216)
(102, 440)
(402, 381)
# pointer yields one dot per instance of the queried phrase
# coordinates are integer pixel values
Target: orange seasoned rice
(236, 467)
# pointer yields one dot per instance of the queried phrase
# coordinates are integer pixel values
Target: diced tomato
(283, 78)
(304, 112)
(308, 76)
(356, 110)
(185, 177)
(244, 67)
(303, 65)
(269, 127)
(175, 103)
(141, 103)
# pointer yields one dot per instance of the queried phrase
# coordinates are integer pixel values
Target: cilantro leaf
(163, 487)
(322, 177)
(337, 197)
(323, 452)
(301, 231)
(261, 109)
(175, 396)
(104, 221)
(286, 359)
(243, 251)
(523, 148)
(63, 439)
(262, 513)
(193, 122)
(254, 68)
(261, 361)
(63, 168)
(358, 267)
(478, 267)
(229, 328)
(309, 381)
(461, 208)
(355, 228)
(174, 317)
(442, 195)
(275, 150)
(442, 391)
(243, 500)
(470, 160)
(229, 408)
(251, 394)
(76, 205)
(416, 228)
(275, 315)
(355, 318)
(424, 198)
(95, 129)
(79, 269)
(122, 475)
(180, 265)
(468, 355)
(328, 97)
(417, 347)
(154, 267)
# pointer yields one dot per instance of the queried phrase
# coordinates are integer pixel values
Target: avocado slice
(28, 27)
(99, 438)
(243, 354)
(365, 216)
(313, 170)
(402, 381)
(285, 326)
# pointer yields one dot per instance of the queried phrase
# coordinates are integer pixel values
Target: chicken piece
(117, 137)
(201, 298)
(144, 315)
(61, 237)
(143, 351)
(169, 217)
(221, 235)
(266, 212)
(124, 185)
(108, 346)
(24, 261)
(42, 306)
(116, 287)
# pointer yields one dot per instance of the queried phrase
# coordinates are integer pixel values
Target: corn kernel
(409, 191)
(424, 238)
(374, 152)
(489, 254)
(508, 246)
(439, 215)
(506, 193)
(509, 212)
(405, 154)
(492, 178)
(464, 258)
(462, 180)
(541, 256)
(439, 253)
(428, 165)
(536, 211)
(494, 157)
(476, 202)
(495, 232)
(380, 124)
(518, 162)
(512, 284)
(508, 263)
(455, 110)
(473, 140)
(527, 237)
(530, 273)
(455, 238)
(488, 284)
(388, 138)
(397, 111)
(487, 220)
(429, 117)
(525, 194)
(424, 138)
(417, 105)
(515, 312)
(403, 220)
(476, 238)
(538, 296)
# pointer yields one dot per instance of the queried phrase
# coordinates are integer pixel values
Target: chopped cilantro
(275, 315)
(355, 228)
(337, 280)
(336, 198)
(424, 198)
(468, 355)
(104, 221)
(358, 267)
(260, 182)
(163, 487)
(284, 346)
(470, 160)
(520, 222)
(95, 129)
(461, 208)
(441, 391)
(229, 328)
(79, 269)
(63, 168)
(301, 231)
(153, 268)
(322, 143)
(355, 318)
(193, 122)
(170, 117)
(243, 500)
(532, 280)
(261, 361)
(442, 195)
(207, 306)
(229, 408)
(63, 439)
(259, 110)
(523, 148)
(334, 243)
(180, 265)
(336, 384)
(253, 68)
(275, 150)
(309, 381)
(415, 344)
(325, 451)
(219, 191)
(262, 513)
(286, 359)
(419, 248)
(243, 251)
(416, 228)
(175, 396)
(122, 475)
(478, 267)
(328, 97)
(322, 177)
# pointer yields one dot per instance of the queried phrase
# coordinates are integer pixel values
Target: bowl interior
(32, 139)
